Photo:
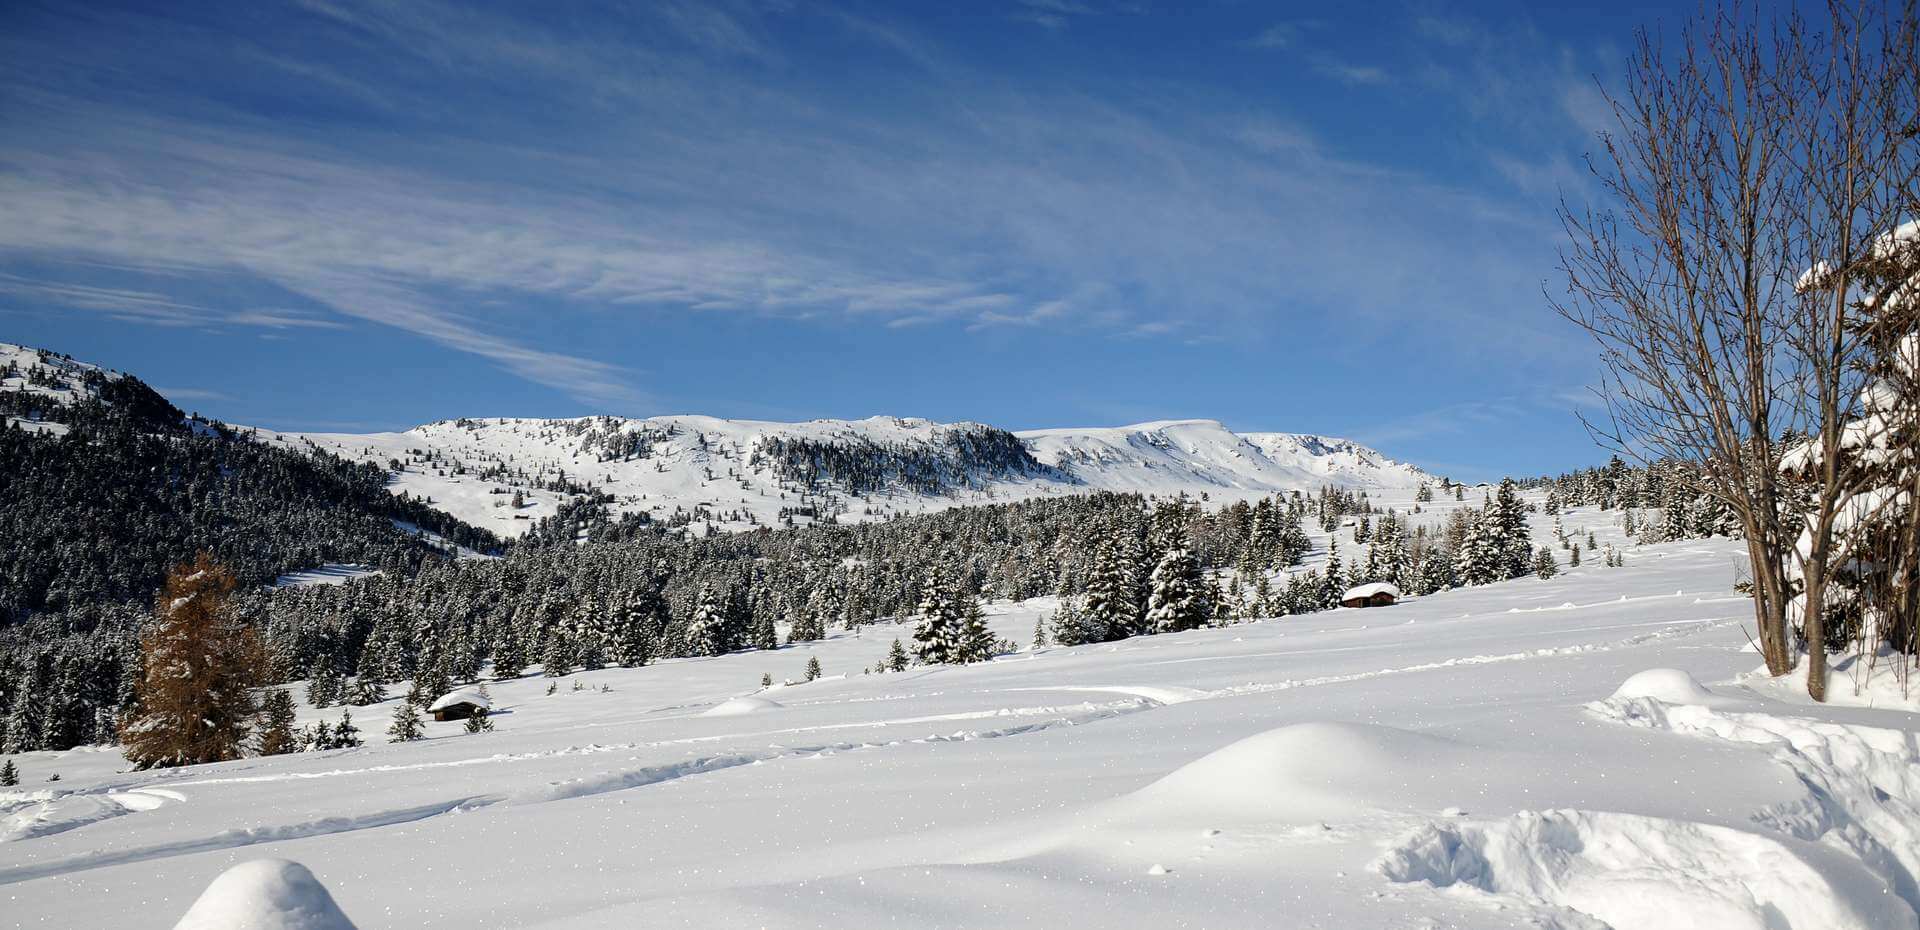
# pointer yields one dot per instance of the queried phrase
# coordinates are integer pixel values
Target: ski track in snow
(1143, 698)
(585, 786)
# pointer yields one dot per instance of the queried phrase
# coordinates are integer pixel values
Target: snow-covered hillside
(56, 379)
(1504, 756)
(735, 474)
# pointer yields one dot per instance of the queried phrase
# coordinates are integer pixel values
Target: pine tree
(406, 724)
(1573, 557)
(9, 776)
(346, 735)
(1108, 612)
(707, 630)
(324, 686)
(896, 657)
(361, 692)
(481, 721)
(193, 702)
(813, 667)
(1509, 517)
(276, 736)
(1040, 639)
(1544, 564)
(1482, 557)
(1179, 599)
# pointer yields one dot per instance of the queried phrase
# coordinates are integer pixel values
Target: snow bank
(1648, 873)
(739, 706)
(265, 894)
(1307, 771)
(1862, 783)
(1666, 684)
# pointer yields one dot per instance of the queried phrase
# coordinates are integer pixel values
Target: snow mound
(1589, 870)
(1671, 685)
(265, 894)
(741, 705)
(1304, 771)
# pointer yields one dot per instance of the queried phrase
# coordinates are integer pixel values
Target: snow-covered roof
(462, 696)
(1369, 590)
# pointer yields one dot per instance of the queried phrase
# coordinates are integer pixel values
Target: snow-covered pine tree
(406, 724)
(194, 701)
(346, 735)
(1108, 609)
(1482, 556)
(275, 735)
(1509, 516)
(9, 775)
(897, 660)
(324, 685)
(813, 668)
(707, 629)
(1179, 599)
(481, 721)
(1544, 565)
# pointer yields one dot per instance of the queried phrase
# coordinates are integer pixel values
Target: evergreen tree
(325, 687)
(813, 667)
(1179, 599)
(481, 721)
(276, 736)
(1544, 564)
(362, 692)
(1482, 556)
(896, 657)
(9, 776)
(1573, 557)
(707, 630)
(1509, 518)
(193, 702)
(1108, 612)
(346, 735)
(406, 724)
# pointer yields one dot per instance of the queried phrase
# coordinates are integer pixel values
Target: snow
(1673, 685)
(330, 573)
(461, 696)
(265, 894)
(739, 706)
(1579, 752)
(704, 468)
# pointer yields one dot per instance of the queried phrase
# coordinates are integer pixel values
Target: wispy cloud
(712, 179)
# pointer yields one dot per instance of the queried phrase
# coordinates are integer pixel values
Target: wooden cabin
(459, 705)
(1378, 594)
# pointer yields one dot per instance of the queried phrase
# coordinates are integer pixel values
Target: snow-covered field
(1461, 760)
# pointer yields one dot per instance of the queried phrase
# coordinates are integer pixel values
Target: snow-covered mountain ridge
(735, 474)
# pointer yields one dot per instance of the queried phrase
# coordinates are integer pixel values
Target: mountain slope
(108, 485)
(506, 474)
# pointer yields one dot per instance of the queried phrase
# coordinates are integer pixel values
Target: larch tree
(194, 700)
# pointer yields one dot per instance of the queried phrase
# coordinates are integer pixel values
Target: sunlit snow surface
(1461, 760)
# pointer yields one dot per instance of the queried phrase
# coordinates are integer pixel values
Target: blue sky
(349, 215)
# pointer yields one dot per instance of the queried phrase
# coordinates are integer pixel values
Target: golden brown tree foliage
(194, 700)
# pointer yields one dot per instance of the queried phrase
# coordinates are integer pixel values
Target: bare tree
(1751, 170)
(1854, 148)
(1684, 281)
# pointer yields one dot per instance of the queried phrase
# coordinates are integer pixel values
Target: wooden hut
(1377, 594)
(459, 705)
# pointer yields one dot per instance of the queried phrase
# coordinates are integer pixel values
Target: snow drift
(265, 894)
